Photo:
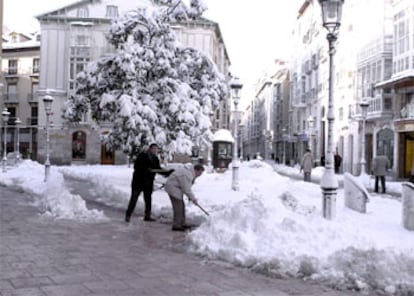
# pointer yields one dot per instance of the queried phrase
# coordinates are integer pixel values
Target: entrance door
(409, 159)
(107, 156)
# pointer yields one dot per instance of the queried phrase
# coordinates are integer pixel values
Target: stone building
(401, 88)
(74, 35)
(20, 74)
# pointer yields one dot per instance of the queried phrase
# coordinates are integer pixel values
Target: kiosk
(222, 149)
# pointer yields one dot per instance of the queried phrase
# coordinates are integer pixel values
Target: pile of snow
(272, 225)
(52, 197)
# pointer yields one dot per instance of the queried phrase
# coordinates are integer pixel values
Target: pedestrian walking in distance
(143, 181)
(307, 165)
(380, 166)
(178, 184)
(337, 162)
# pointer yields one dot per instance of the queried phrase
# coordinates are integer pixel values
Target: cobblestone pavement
(43, 256)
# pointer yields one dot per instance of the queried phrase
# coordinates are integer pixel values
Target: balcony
(11, 98)
(380, 107)
(11, 75)
(32, 121)
(406, 114)
(32, 98)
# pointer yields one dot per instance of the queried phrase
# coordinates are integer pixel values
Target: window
(82, 40)
(387, 104)
(78, 145)
(83, 12)
(80, 52)
(36, 66)
(12, 67)
(111, 11)
(33, 116)
(12, 116)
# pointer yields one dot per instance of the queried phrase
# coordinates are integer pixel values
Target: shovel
(201, 208)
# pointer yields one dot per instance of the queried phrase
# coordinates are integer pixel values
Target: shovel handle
(201, 208)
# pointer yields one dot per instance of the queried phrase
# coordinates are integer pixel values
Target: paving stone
(67, 258)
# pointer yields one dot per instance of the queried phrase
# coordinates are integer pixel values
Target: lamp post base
(4, 163)
(47, 172)
(329, 203)
(235, 183)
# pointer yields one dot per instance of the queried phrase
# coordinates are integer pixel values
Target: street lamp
(331, 17)
(284, 136)
(17, 122)
(364, 106)
(5, 115)
(310, 123)
(235, 86)
(47, 101)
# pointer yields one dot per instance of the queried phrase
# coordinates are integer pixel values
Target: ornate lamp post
(17, 122)
(364, 106)
(210, 169)
(5, 115)
(235, 86)
(47, 101)
(310, 123)
(284, 145)
(331, 17)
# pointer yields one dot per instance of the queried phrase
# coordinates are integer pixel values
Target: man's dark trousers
(382, 183)
(135, 192)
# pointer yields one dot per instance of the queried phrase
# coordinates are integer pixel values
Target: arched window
(79, 145)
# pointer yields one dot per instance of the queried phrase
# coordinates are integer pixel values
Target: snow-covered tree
(152, 89)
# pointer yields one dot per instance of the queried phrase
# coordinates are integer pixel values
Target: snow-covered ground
(273, 225)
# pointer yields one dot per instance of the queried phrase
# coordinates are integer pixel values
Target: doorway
(107, 155)
(409, 157)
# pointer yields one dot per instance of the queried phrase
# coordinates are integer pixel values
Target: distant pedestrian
(307, 165)
(380, 166)
(323, 160)
(178, 184)
(337, 162)
(143, 181)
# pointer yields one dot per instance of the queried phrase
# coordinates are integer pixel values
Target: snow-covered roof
(223, 135)
(21, 45)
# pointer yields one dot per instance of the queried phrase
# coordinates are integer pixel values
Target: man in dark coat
(143, 181)
(380, 166)
(337, 162)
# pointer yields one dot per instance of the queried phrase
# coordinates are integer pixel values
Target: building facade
(20, 73)
(373, 63)
(401, 88)
(73, 36)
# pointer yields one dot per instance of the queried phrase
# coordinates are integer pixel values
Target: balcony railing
(32, 121)
(32, 98)
(11, 98)
(379, 107)
(407, 111)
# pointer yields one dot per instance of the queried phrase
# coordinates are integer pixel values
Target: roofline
(6, 49)
(68, 6)
(206, 21)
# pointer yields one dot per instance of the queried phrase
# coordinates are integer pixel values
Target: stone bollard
(408, 205)
(355, 194)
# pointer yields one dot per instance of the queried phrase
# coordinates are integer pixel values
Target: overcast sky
(255, 34)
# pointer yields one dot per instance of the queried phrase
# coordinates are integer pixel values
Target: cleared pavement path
(43, 256)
